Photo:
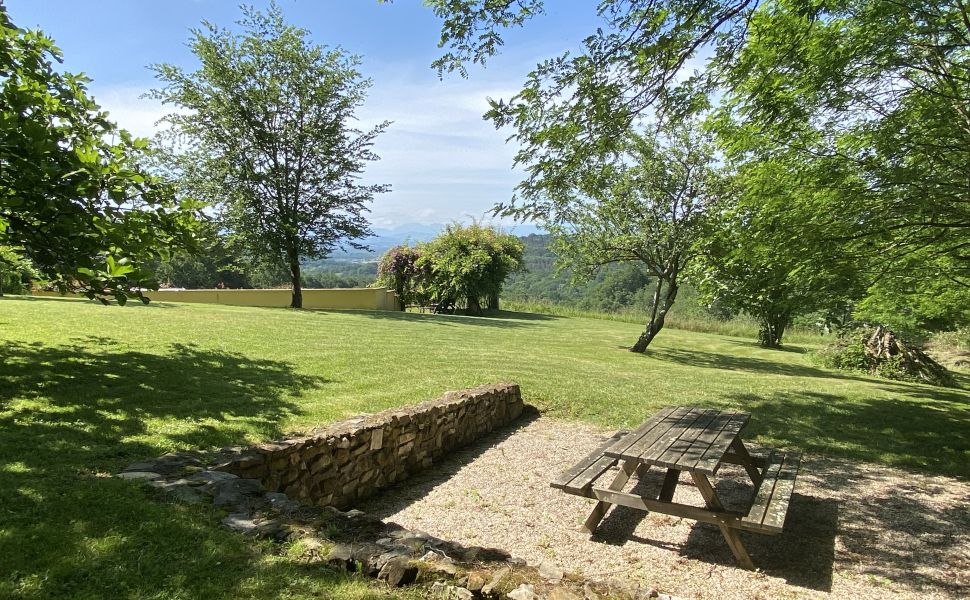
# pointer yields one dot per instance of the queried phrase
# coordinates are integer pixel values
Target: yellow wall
(347, 298)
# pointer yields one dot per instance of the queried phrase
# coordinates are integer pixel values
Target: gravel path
(854, 530)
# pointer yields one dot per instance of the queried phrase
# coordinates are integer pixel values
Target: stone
(366, 556)
(398, 572)
(477, 580)
(139, 475)
(242, 522)
(589, 593)
(281, 502)
(377, 439)
(550, 571)
(444, 591)
(249, 460)
(497, 578)
(236, 492)
(524, 592)
(561, 593)
(341, 557)
(204, 477)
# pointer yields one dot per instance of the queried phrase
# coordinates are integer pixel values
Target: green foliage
(919, 300)
(465, 267)
(265, 133)
(398, 270)
(646, 204)
(76, 199)
(860, 106)
(16, 272)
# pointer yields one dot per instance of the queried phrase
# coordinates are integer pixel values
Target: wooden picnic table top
(682, 438)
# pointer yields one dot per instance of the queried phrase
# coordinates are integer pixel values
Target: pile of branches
(878, 351)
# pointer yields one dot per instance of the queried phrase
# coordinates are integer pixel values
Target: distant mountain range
(412, 233)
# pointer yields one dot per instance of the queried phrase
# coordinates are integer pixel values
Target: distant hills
(412, 233)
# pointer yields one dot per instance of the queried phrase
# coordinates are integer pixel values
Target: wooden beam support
(728, 531)
(599, 511)
(669, 485)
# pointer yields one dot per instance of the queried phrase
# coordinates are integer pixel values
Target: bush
(462, 268)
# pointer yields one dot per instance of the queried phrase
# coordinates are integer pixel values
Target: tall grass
(740, 326)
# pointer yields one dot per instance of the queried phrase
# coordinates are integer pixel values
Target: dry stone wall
(339, 464)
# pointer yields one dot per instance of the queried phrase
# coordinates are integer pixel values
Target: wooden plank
(774, 519)
(590, 459)
(670, 457)
(762, 496)
(618, 449)
(709, 462)
(737, 548)
(737, 446)
(581, 484)
(665, 441)
(730, 518)
(734, 459)
(649, 438)
(704, 440)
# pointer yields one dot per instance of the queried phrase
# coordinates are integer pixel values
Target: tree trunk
(772, 328)
(661, 305)
(493, 301)
(474, 306)
(295, 278)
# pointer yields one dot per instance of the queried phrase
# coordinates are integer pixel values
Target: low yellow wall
(346, 298)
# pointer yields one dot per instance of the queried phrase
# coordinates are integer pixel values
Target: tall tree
(265, 132)
(866, 98)
(76, 198)
(645, 204)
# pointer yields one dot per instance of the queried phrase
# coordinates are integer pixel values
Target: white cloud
(443, 161)
(130, 111)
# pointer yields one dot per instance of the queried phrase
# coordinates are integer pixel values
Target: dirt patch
(854, 529)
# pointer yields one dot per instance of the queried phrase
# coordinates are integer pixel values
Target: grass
(86, 389)
(739, 326)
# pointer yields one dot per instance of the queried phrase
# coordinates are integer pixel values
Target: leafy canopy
(464, 267)
(76, 199)
(265, 132)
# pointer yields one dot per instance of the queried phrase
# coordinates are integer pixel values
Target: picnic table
(697, 441)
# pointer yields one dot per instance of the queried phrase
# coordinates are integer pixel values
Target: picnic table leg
(669, 485)
(730, 534)
(599, 511)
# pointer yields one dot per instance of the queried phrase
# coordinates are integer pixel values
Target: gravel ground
(854, 530)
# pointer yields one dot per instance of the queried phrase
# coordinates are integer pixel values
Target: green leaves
(80, 207)
(267, 136)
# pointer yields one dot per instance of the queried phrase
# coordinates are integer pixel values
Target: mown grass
(740, 326)
(87, 389)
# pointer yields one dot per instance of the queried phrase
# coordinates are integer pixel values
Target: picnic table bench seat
(770, 504)
(579, 478)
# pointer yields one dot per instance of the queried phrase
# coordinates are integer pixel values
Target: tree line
(815, 160)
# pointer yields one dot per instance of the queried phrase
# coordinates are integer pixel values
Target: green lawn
(86, 389)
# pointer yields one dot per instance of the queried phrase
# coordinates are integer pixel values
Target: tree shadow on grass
(929, 432)
(731, 362)
(498, 319)
(71, 415)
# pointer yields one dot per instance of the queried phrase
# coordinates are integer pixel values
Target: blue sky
(442, 160)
